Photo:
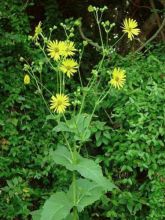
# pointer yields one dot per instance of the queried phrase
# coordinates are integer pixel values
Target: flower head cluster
(118, 78)
(130, 28)
(59, 103)
(58, 49)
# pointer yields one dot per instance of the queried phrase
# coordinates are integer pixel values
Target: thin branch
(153, 37)
(157, 18)
(88, 40)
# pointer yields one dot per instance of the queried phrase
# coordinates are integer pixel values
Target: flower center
(59, 102)
(56, 50)
(67, 49)
(68, 68)
(117, 79)
(129, 29)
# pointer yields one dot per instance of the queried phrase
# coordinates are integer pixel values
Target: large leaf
(86, 167)
(90, 170)
(61, 127)
(63, 157)
(36, 215)
(69, 217)
(87, 193)
(57, 207)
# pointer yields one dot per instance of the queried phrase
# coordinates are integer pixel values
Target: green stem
(60, 81)
(75, 213)
(41, 79)
(63, 76)
(100, 99)
(80, 58)
(69, 147)
(82, 103)
(100, 32)
(80, 78)
(89, 86)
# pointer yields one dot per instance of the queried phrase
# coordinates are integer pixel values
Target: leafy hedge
(25, 138)
(132, 140)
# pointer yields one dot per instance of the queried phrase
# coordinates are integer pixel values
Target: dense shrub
(25, 137)
(132, 140)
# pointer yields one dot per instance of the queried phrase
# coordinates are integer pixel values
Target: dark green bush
(26, 173)
(132, 140)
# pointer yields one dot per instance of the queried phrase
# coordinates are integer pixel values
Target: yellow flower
(59, 103)
(118, 78)
(69, 66)
(69, 49)
(130, 27)
(55, 49)
(37, 32)
(26, 79)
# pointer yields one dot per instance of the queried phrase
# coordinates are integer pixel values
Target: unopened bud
(21, 59)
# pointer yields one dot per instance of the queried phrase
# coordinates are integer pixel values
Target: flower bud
(21, 59)
(90, 8)
(85, 43)
(26, 79)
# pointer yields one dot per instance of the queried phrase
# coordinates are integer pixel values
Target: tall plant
(73, 122)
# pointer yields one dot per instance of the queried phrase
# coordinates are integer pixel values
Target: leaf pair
(85, 167)
(59, 205)
(88, 190)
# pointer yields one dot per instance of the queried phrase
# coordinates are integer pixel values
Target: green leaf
(69, 217)
(36, 215)
(2, 123)
(50, 117)
(63, 157)
(61, 127)
(90, 170)
(87, 193)
(82, 132)
(57, 207)
(86, 167)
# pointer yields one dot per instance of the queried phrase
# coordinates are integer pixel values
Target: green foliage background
(128, 138)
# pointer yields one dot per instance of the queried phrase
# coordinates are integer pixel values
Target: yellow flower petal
(130, 27)
(68, 49)
(69, 67)
(55, 49)
(118, 78)
(59, 103)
